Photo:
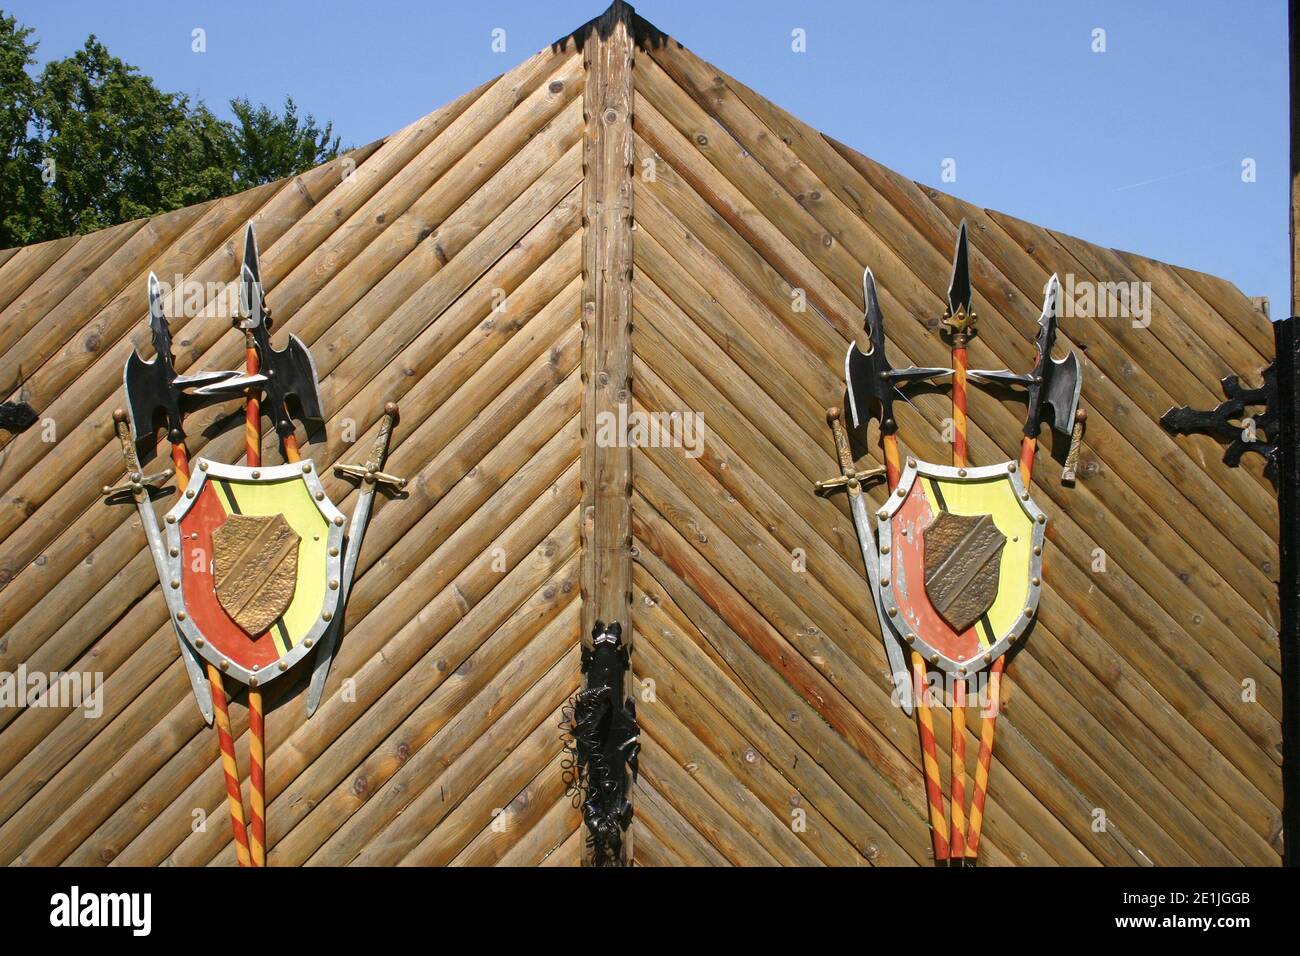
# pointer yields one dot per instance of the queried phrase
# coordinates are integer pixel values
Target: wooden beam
(1294, 19)
(1288, 362)
(606, 324)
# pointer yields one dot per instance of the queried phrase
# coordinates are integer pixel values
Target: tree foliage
(90, 141)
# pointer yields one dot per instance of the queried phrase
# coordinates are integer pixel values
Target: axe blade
(149, 384)
(862, 370)
(1064, 384)
(158, 318)
(294, 373)
(858, 376)
(146, 393)
(868, 376)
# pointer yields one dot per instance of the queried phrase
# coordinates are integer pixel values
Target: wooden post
(1294, 19)
(1288, 443)
(606, 326)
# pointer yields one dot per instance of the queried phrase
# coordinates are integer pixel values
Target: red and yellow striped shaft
(958, 783)
(892, 470)
(1028, 447)
(256, 729)
(985, 760)
(257, 777)
(959, 456)
(221, 713)
(231, 771)
(930, 762)
(252, 410)
(924, 719)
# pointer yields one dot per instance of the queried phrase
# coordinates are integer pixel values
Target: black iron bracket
(1223, 422)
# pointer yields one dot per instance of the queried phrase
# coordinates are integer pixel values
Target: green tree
(119, 148)
(267, 144)
(20, 179)
(91, 142)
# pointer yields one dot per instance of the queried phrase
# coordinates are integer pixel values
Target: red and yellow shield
(960, 561)
(256, 556)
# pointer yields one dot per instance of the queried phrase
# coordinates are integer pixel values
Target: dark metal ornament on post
(1288, 461)
(603, 743)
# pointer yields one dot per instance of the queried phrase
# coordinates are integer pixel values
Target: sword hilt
(850, 477)
(369, 472)
(137, 483)
(1076, 441)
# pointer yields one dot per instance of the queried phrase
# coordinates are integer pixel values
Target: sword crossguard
(365, 473)
(137, 483)
(853, 482)
(850, 477)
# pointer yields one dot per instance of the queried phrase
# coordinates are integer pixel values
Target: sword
(370, 476)
(138, 484)
(851, 479)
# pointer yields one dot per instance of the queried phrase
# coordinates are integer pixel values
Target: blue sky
(1139, 147)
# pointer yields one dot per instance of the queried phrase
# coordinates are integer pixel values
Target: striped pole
(1028, 447)
(233, 797)
(221, 713)
(957, 783)
(256, 729)
(256, 777)
(252, 406)
(930, 762)
(985, 760)
(924, 719)
(959, 401)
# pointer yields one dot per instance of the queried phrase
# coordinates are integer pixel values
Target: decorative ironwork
(603, 742)
(1225, 421)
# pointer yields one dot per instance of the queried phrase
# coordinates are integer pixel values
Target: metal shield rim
(1008, 470)
(304, 471)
